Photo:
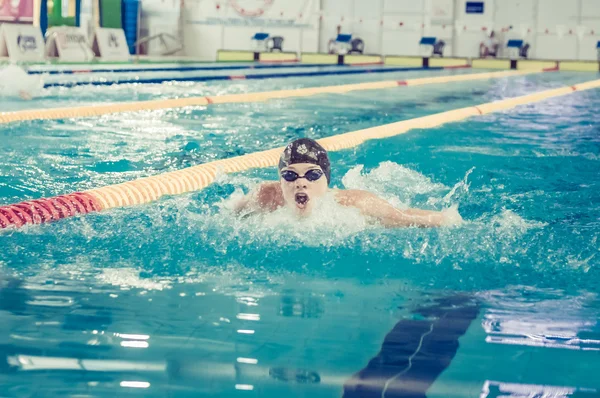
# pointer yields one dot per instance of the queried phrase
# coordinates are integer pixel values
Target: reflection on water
(212, 337)
(181, 298)
(494, 389)
(303, 306)
(290, 337)
(517, 321)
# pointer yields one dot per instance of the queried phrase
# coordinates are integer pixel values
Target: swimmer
(15, 82)
(305, 175)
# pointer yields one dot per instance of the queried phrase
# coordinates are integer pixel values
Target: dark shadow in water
(416, 351)
(13, 297)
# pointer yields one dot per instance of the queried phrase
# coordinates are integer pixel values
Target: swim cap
(305, 150)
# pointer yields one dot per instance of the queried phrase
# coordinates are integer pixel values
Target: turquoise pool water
(53, 97)
(181, 298)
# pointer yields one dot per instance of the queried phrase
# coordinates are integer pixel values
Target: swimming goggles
(310, 175)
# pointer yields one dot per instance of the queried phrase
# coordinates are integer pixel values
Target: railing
(161, 37)
(89, 53)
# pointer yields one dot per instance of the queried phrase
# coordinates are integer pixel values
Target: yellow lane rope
(194, 178)
(104, 109)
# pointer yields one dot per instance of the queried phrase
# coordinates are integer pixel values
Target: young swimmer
(305, 174)
(15, 82)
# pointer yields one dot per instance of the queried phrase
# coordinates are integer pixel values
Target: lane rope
(104, 109)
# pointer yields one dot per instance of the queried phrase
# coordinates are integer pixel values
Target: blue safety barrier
(44, 17)
(129, 16)
(77, 12)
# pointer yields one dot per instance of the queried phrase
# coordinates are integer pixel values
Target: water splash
(15, 82)
(200, 232)
(329, 224)
(462, 185)
(396, 183)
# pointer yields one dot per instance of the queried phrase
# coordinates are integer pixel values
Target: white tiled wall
(555, 29)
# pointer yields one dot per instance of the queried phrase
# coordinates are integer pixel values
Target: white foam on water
(184, 222)
(577, 261)
(480, 150)
(130, 278)
(239, 181)
(567, 153)
(395, 183)
(490, 239)
(328, 224)
(511, 224)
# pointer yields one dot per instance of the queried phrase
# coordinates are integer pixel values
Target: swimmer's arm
(24, 95)
(243, 204)
(370, 205)
(267, 197)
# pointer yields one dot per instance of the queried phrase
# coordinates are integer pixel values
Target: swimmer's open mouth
(301, 199)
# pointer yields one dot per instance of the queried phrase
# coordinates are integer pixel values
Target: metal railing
(89, 53)
(162, 37)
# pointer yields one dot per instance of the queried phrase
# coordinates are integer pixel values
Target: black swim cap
(305, 150)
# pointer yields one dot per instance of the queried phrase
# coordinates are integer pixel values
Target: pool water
(214, 74)
(181, 298)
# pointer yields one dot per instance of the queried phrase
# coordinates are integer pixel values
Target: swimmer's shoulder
(266, 197)
(269, 196)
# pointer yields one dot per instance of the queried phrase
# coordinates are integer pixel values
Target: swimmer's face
(301, 193)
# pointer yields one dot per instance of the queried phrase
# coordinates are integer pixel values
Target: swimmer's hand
(24, 95)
